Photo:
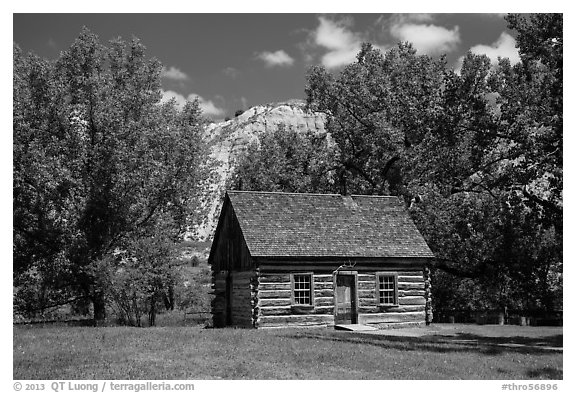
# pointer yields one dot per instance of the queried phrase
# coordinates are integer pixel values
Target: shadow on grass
(544, 373)
(460, 342)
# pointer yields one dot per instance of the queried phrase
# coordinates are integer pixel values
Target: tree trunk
(168, 298)
(171, 296)
(152, 313)
(136, 310)
(99, 303)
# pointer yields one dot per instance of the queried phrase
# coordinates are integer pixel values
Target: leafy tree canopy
(477, 155)
(98, 162)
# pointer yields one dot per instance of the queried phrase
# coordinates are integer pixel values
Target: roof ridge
(279, 192)
(309, 193)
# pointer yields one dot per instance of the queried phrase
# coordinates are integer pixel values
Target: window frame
(293, 289)
(394, 275)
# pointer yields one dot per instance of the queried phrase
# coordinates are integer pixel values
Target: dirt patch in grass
(196, 353)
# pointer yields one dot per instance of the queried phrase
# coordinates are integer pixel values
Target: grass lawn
(474, 352)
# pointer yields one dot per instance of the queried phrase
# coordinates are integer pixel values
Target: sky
(234, 61)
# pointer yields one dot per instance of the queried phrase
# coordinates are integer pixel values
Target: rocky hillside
(229, 139)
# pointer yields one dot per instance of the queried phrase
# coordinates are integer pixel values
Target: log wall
(411, 308)
(218, 305)
(262, 297)
(242, 298)
(275, 308)
(243, 288)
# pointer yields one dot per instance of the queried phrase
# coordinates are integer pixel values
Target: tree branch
(542, 202)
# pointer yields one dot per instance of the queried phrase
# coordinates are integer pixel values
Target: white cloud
(174, 74)
(415, 17)
(505, 46)
(278, 58)
(231, 72)
(427, 38)
(342, 43)
(208, 107)
(167, 95)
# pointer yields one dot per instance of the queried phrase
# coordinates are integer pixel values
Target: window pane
(302, 289)
(387, 289)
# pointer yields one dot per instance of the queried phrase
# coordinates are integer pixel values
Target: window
(302, 291)
(387, 288)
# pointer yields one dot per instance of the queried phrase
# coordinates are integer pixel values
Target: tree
(378, 108)
(476, 155)
(138, 277)
(98, 162)
(289, 161)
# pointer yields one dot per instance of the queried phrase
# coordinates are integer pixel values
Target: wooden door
(346, 299)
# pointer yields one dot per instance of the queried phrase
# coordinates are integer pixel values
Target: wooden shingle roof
(320, 225)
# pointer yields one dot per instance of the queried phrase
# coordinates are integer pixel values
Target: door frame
(354, 294)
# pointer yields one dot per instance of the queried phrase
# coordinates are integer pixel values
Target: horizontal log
(323, 285)
(402, 278)
(274, 286)
(367, 292)
(411, 300)
(274, 294)
(295, 320)
(279, 277)
(272, 278)
(324, 301)
(411, 292)
(323, 293)
(385, 309)
(274, 302)
(367, 303)
(366, 277)
(366, 298)
(410, 285)
(367, 285)
(410, 272)
(373, 309)
(323, 278)
(392, 317)
(317, 310)
(276, 310)
(295, 310)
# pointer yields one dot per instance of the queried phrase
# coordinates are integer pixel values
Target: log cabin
(294, 259)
